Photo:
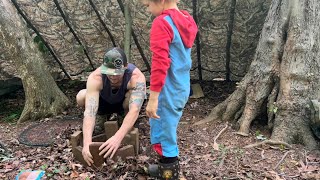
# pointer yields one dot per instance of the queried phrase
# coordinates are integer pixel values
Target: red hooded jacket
(161, 36)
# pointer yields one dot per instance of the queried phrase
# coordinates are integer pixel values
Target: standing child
(172, 35)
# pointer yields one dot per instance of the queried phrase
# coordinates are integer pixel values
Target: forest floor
(204, 154)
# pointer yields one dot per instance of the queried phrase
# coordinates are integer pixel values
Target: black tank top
(117, 97)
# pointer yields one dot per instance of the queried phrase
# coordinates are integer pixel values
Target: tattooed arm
(94, 84)
(138, 94)
(138, 86)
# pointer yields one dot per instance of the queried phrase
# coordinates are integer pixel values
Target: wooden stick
(215, 144)
(215, 139)
(272, 142)
(283, 157)
(127, 39)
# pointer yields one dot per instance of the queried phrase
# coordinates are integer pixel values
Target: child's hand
(151, 109)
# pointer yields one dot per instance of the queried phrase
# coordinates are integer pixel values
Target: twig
(215, 139)
(215, 144)
(66, 20)
(262, 157)
(305, 155)
(102, 22)
(295, 176)
(98, 169)
(128, 29)
(135, 39)
(268, 142)
(262, 154)
(283, 157)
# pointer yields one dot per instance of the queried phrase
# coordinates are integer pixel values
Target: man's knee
(81, 96)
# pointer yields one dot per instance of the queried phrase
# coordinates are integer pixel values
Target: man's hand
(152, 107)
(110, 147)
(87, 155)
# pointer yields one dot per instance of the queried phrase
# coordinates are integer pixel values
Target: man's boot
(165, 171)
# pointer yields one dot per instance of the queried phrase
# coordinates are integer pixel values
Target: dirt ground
(208, 151)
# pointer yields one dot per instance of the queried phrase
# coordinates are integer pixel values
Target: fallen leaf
(143, 158)
(124, 176)
(312, 168)
(74, 174)
(7, 168)
(74, 165)
(275, 175)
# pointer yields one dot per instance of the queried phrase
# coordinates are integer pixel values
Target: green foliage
(258, 133)
(273, 108)
(80, 49)
(54, 169)
(42, 48)
(222, 148)
(223, 152)
(260, 136)
(11, 116)
(37, 39)
(238, 151)
(88, 69)
(44, 167)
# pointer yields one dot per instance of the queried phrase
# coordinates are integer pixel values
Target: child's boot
(169, 171)
(165, 171)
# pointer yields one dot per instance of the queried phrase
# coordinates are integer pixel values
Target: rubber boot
(165, 171)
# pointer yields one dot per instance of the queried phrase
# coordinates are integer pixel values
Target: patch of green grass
(10, 115)
(11, 118)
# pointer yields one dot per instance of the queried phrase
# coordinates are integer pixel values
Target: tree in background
(284, 75)
(43, 97)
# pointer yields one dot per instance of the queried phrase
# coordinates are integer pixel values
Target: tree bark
(43, 97)
(127, 39)
(284, 75)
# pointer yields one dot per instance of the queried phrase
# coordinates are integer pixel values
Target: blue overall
(173, 96)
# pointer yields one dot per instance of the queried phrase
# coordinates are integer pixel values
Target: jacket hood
(185, 25)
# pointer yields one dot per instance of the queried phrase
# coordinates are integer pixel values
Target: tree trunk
(43, 97)
(284, 75)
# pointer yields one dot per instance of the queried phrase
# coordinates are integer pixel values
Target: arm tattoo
(91, 108)
(138, 94)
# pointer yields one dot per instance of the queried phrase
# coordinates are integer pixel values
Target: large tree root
(284, 75)
(271, 142)
(244, 105)
(32, 110)
(225, 110)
